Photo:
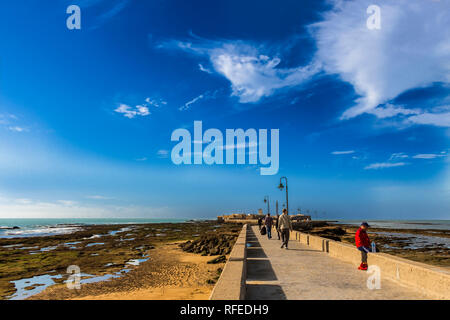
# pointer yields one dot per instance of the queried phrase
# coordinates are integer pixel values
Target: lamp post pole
(287, 194)
(266, 199)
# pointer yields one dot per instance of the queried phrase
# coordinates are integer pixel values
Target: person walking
(268, 221)
(276, 226)
(259, 223)
(285, 226)
(363, 244)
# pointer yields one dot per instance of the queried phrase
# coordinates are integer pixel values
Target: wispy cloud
(98, 197)
(162, 154)
(155, 102)
(204, 96)
(342, 152)
(254, 73)
(131, 112)
(428, 156)
(383, 165)
(398, 155)
(109, 9)
(419, 32)
(71, 209)
(440, 119)
(17, 129)
(202, 68)
(67, 203)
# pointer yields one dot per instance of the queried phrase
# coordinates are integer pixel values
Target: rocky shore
(104, 254)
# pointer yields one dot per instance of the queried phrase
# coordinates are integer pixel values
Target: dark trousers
(285, 237)
(364, 251)
(278, 232)
(269, 231)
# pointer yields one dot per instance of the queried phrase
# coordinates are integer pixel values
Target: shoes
(363, 266)
(287, 248)
(282, 246)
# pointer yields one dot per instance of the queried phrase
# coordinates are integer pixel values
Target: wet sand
(129, 257)
(171, 274)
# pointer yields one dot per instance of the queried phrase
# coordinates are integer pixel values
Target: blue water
(48, 227)
(403, 224)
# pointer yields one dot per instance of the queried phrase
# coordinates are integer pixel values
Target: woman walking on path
(285, 226)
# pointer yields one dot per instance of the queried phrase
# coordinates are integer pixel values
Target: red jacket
(362, 239)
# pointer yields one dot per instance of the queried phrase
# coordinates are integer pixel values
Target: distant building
(251, 218)
(300, 217)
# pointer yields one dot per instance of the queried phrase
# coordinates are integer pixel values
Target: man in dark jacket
(363, 244)
(268, 221)
(259, 223)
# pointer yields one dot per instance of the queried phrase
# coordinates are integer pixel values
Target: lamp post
(266, 199)
(281, 187)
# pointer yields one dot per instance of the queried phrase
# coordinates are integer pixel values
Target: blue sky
(86, 115)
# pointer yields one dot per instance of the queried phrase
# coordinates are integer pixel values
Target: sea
(17, 228)
(401, 224)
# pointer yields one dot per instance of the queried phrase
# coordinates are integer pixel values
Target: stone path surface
(303, 273)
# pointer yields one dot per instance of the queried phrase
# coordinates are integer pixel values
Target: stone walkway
(303, 273)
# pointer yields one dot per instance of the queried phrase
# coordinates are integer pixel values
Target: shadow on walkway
(259, 269)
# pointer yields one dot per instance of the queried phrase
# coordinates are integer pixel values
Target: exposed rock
(219, 259)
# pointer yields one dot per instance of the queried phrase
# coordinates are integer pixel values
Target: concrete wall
(433, 281)
(232, 281)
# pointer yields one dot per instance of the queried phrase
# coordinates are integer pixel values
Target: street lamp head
(265, 200)
(281, 186)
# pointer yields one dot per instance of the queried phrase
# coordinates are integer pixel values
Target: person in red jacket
(363, 244)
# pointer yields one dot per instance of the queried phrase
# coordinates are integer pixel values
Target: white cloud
(399, 155)
(428, 156)
(68, 203)
(23, 201)
(155, 102)
(436, 119)
(202, 68)
(204, 96)
(382, 165)
(163, 153)
(390, 110)
(410, 50)
(17, 129)
(253, 74)
(40, 209)
(343, 152)
(98, 197)
(143, 110)
(130, 112)
(188, 104)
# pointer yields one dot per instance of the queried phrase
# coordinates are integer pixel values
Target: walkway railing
(432, 280)
(231, 284)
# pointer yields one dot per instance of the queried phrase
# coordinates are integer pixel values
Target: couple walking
(283, 225)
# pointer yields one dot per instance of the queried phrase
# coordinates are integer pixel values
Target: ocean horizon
(25, 227)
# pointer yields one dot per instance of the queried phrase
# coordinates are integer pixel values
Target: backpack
(263, 230)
